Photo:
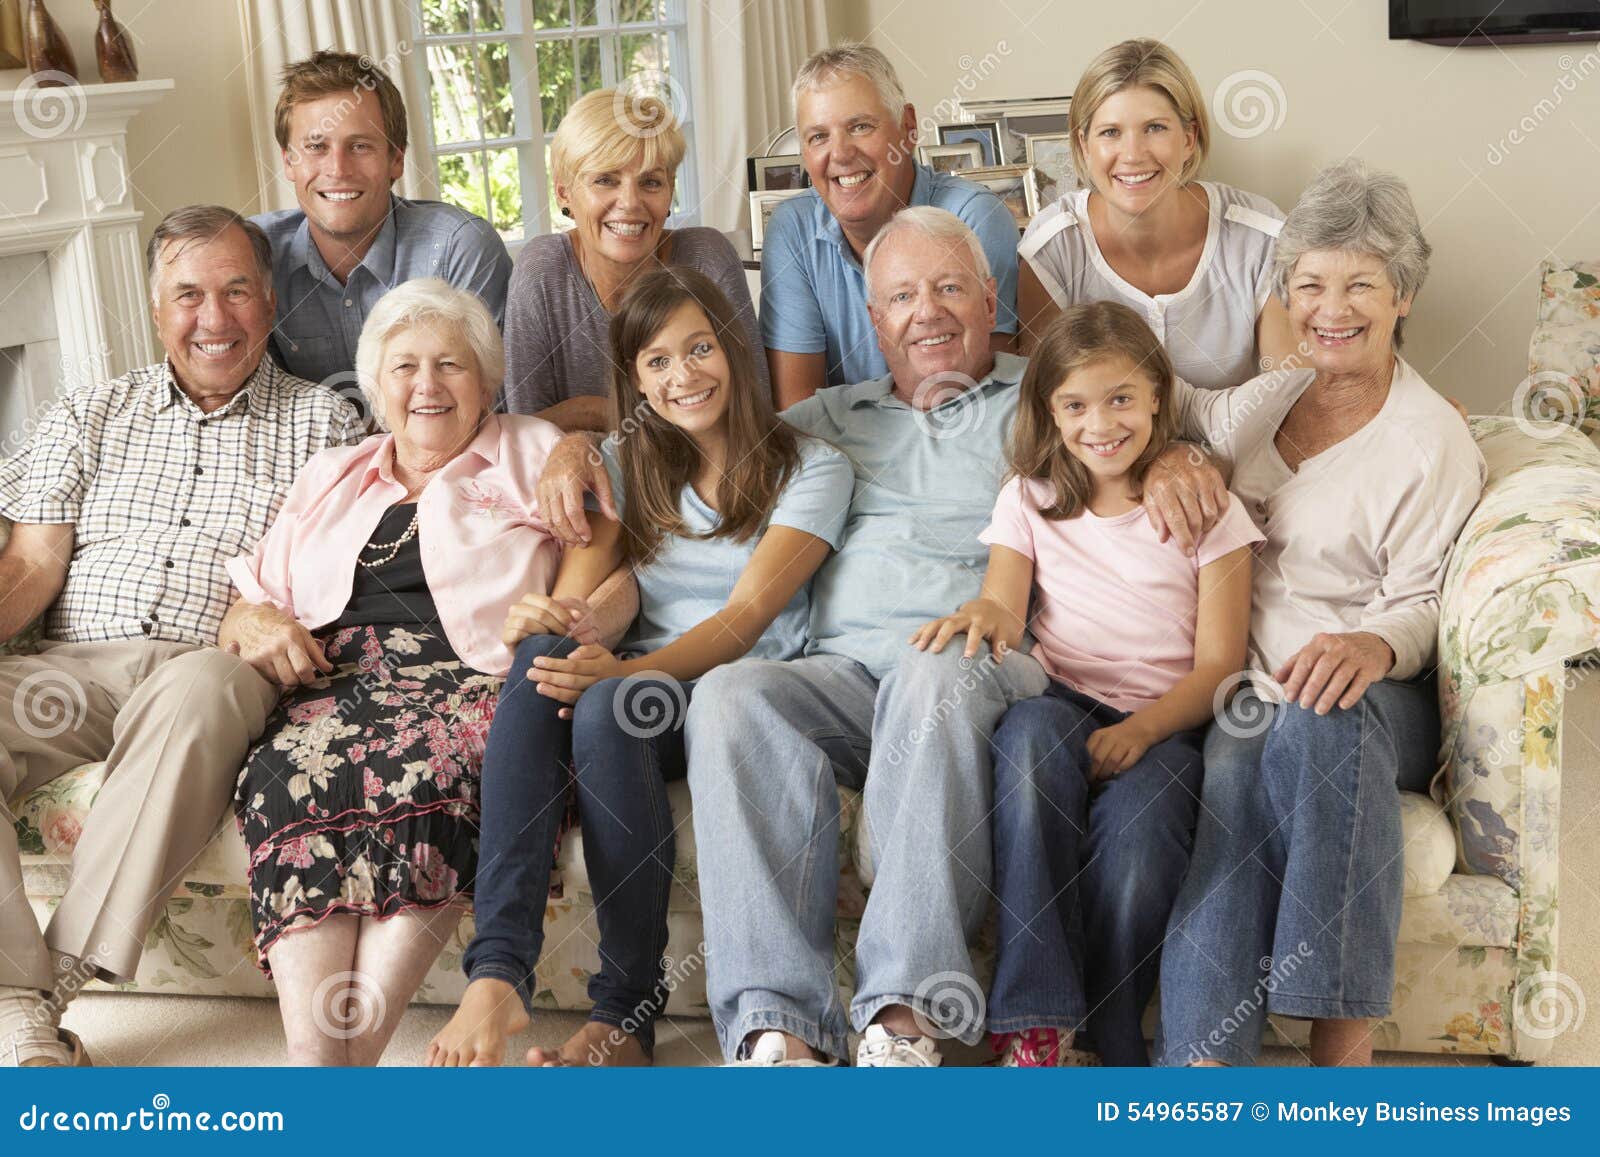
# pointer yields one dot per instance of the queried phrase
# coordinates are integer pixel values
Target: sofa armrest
(25, 641)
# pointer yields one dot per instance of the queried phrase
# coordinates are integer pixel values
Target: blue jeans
(624, 744)
(1292, 904)
(1085, 873)
(769, 744)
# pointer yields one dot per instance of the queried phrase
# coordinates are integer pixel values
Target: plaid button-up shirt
(162, 494)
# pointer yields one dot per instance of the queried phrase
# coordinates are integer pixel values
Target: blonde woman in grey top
(1194, 258)
(614, 161)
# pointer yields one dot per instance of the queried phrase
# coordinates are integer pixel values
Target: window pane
(552, 14)
(450, 89)
(637, 11)
(644, 52)
(557, 85)
(494, 69)
(461, 182)
(587, 11)
(491, 15)
(589, 77)
(442, 17)
(505, 187)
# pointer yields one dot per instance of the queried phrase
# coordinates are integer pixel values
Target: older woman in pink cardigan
(377, 600)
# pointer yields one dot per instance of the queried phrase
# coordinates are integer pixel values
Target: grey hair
(1354, 209)
(204, 223)
(939, 224)
(825, 68)
(430, 301)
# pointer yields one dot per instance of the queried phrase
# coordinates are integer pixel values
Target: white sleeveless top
(1209, 326)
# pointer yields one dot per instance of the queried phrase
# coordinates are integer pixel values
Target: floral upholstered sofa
(1477, 966)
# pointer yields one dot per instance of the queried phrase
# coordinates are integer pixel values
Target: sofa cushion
(1468, 912)
(1429, 842)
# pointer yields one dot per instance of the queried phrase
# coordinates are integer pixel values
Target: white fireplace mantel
(66, 198)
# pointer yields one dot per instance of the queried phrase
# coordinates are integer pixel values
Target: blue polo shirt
(925, 486)
(813, 290)
(319, 321)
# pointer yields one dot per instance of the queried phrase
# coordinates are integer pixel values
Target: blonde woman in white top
(1194, 258)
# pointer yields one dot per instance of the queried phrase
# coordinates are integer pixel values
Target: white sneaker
(771, 1051)
(881, 1049)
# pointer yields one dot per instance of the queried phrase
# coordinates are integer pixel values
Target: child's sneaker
(1039, 1048)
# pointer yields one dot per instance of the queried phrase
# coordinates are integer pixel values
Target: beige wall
(1443, 119)
(194, 146)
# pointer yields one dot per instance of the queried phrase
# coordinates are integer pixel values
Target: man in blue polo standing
(857, 136)
(341, 125)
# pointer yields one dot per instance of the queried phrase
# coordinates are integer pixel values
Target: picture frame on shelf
(13, 50)
(785, 171)
(952, 158)
(1015, 185)
(1021, 118)
(762, 205)
(985, 133)
(1050, 157)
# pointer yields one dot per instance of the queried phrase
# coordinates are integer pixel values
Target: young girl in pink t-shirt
(1097, 781)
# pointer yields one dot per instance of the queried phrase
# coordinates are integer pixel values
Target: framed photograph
(951, 158)
(985, 133)
(1013, 184)
(772, 173)
(1021, 119)
(1050, 156)
(11, 47)
(762, 205)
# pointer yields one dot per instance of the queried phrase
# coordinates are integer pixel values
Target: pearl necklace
(393, 548)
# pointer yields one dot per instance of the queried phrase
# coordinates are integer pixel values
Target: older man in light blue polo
(858, 137)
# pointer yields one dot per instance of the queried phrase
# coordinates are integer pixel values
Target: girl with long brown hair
(1096, 780)
(726, 513)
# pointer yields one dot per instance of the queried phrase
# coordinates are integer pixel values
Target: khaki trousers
(173, 723)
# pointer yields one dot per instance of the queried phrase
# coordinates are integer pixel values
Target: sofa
(1477, 968)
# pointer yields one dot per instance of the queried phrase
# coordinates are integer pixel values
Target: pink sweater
(483, 543)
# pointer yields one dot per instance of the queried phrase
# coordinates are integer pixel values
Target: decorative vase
(113, 48)
(48, 50)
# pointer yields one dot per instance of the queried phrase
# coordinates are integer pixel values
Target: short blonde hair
(430, 301)
(1141, 63)
(611, 128)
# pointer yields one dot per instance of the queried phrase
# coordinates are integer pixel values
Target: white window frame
(529, 139)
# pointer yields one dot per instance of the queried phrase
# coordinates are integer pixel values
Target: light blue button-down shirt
(319, 321)
(813, 290)
(926, 483)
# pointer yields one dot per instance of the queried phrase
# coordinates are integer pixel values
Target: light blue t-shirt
(926, 484)
(319, 321)
(813, 290)
(690, 579)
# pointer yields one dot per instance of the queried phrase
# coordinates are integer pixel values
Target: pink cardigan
(483, 543)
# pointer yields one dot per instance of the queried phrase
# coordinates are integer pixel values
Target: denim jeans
(769, 744)
(1292, 903)
(1085, 872)
(624, 744)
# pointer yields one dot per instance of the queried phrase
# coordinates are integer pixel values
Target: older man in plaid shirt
(127, 502)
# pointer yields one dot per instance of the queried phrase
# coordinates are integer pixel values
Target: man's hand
(573, 469)
(1334, 669)
(1184, 495)
(277, 646)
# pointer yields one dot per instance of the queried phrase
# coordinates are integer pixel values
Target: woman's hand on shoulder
(1184, 495)
(1334, 670)
(573, 469)
(982, 620)
(275, 644)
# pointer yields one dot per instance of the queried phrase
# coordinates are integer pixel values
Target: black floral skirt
(362, 795)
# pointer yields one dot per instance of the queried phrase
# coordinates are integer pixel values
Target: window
(500, 75)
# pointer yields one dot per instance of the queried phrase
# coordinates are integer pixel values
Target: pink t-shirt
(1113, 608)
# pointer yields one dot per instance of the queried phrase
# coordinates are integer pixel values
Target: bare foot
(595, 1045)
(490, 1012)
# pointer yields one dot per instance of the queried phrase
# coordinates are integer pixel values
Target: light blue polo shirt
(813, 290)
(690, 579)
(319, 321)
(926, 484)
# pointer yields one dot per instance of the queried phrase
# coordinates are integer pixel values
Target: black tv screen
(1494, 21)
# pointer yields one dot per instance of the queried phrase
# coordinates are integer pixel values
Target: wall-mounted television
(1469, 22)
